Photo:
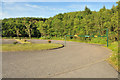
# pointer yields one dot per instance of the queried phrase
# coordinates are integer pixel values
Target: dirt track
(76, 60)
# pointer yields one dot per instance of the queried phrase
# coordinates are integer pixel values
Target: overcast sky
(47, 9)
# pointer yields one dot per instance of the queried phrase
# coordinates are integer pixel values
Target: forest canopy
(73, 23)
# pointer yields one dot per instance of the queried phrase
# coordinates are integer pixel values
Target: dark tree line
(21, 27)
(73, 23)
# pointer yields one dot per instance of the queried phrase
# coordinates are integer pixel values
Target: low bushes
(15, 42)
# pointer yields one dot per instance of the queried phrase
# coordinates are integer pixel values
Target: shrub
(42, 37)
(25, 40)
(15, 42)
(49, 41)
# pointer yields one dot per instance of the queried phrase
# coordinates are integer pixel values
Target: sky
(47, 9)
(59, 0)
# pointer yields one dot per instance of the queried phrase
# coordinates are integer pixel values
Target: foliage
(20, 27)
(49, 41)
(114, 57)
(15, 42)
(25, 40)
(22, 41)
(85, 22)
(73, 23)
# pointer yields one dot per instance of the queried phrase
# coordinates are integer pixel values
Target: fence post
(107, 36)
(65, 40)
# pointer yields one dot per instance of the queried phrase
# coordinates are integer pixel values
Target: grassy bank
(28, 47)
(113, 59)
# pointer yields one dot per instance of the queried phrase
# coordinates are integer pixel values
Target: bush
(25, 40)
(15, 42)
(42, 37)
(49, 41)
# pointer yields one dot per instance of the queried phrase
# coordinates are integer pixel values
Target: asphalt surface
(76, 60)
(7, 41)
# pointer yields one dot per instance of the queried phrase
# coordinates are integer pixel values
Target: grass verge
(28, 47)
(22, 41)
(113, 59)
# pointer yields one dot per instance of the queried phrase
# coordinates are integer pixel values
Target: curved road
(76, 60)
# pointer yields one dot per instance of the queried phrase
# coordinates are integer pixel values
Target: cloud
(8, 3)
(0, 15)
(44, 7)
(77, 7)
(28, 10)
(4, 15)
(31, 9)
(33, 6)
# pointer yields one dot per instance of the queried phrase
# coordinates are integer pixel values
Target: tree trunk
(29, 34)
(17, 33)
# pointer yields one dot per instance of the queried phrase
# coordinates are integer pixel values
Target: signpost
(88, 36)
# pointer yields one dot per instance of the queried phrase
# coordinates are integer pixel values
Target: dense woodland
(85, 22)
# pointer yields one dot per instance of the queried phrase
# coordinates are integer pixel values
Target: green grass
(98, 40)
(113, 59)
(22, 41)
(28, 47)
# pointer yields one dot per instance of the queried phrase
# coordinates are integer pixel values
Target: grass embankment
(28, 47)
(113, 59)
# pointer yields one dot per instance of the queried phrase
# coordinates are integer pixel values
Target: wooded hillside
(73, 23)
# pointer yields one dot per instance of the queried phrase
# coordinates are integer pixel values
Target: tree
(17, 29)
(87, 11)
(80, 22)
